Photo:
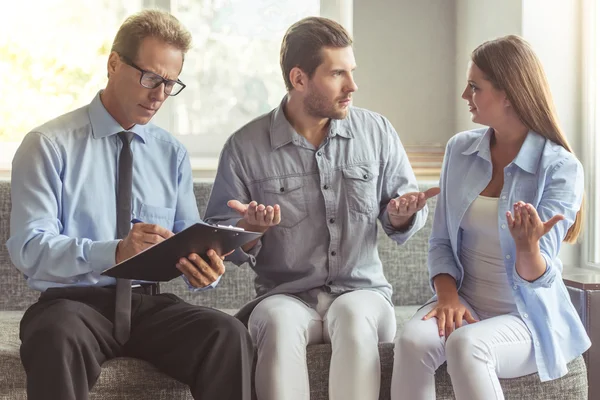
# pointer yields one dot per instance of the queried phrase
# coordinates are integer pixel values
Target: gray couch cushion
(405, 268)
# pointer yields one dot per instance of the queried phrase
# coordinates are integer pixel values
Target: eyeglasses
(150, 80)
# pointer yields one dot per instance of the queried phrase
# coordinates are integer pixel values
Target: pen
(136, 221)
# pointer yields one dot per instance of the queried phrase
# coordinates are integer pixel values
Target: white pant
(476, 355)
(354, 323)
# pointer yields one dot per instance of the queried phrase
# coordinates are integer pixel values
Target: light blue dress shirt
(551, 179)
(63, 188)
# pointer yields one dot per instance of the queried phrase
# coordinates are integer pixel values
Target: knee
(276, 323)
(418, 340)
(462, 347)
(56, 335)
(351, 321)
(229, 326)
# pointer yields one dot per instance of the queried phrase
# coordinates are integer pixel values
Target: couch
(125, 378)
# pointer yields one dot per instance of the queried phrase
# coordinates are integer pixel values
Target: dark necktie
(122, 324)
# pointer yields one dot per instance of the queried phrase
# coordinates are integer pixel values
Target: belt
(146, 288)
(142, 288)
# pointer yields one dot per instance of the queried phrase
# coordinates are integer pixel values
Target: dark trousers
(68, 334)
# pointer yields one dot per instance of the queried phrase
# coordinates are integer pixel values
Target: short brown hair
(303, 41)
(150, 23)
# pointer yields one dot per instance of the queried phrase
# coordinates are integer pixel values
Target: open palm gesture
(526, 227)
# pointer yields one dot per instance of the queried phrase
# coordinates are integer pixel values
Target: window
(57, 62)
(591, 87)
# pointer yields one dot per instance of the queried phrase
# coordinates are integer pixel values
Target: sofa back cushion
(405, 267)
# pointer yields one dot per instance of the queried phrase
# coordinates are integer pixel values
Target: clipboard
(157, 263)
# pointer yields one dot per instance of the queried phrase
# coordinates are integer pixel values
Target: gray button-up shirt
(330, 199)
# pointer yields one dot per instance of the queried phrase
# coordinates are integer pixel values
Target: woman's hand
(526, 227)
(450, 314)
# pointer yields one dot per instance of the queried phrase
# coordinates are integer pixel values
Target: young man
(314, 174)
(77, 182)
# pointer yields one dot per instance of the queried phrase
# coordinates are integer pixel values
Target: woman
(511, 194)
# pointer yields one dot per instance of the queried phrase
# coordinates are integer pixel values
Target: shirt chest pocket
(162, 216)
(360, 182)
(289, 194)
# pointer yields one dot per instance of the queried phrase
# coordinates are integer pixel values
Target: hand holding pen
(140, 237)
(198, 271)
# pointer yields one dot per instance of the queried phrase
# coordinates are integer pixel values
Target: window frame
(204, 156)
(591, 126)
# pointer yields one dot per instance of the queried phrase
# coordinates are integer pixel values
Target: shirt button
(333, 253)
(515, 287)
(332, 220)
(508, 174)
(366, 176)
(503, 197)
(319, 154)
(508, 256)
(537, 343)
(281, 189)
(503, 226)
(326, 187)
(525, 315)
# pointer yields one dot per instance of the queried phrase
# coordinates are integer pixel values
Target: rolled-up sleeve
(229, 185)
(398, 179)
(562, 194)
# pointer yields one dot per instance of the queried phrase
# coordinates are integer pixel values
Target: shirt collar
(282, 132)
(103, 124)
(531, 151)
(481, 146)
(528, 157)
(340, 127)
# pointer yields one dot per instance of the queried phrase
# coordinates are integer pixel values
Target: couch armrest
(583, 285)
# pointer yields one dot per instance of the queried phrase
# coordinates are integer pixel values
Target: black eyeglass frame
(158, 78)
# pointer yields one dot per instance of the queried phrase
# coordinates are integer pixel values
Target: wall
(476, 22)
(412, 58)
(552, 28)
(405, 53)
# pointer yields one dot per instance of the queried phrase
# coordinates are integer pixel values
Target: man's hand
(256, 217)
(140, 237)
(401, 209)
(200, 273)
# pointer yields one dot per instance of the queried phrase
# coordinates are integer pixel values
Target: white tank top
(485, 284)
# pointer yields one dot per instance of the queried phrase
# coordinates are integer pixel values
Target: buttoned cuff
(201, 289)
(103, 255)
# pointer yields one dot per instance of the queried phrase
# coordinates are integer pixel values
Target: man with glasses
(78, 181)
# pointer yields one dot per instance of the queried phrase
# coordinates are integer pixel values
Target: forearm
(401, 224)
(530, 263)
(445, 287)
(58, 258)
(242, 223)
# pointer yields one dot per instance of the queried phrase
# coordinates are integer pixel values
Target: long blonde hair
(511, 65)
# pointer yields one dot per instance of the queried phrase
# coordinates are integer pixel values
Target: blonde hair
(150, 23)
(511, 65)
